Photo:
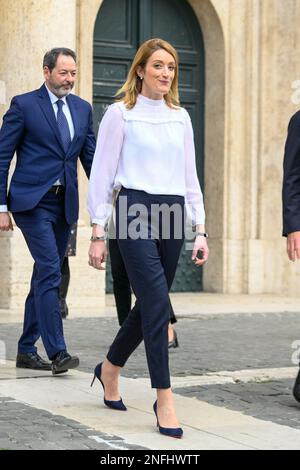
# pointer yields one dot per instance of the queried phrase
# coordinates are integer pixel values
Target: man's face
(62, 78)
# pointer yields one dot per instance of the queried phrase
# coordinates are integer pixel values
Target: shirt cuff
(3, 208)
(101, 222)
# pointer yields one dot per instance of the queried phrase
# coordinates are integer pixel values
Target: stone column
(280, 86)
(212, 16)
(87, 12)
(91, 294)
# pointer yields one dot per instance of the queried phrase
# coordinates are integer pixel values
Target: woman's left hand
(200, 244)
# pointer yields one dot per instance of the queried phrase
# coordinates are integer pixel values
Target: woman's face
(157, 75)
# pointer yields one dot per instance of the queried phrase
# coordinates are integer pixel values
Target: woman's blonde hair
(132, 87)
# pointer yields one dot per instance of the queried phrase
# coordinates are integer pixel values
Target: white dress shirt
(150, 148)
(67, 113)
(65, 108)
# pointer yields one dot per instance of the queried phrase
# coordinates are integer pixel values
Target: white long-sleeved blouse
(150, 148)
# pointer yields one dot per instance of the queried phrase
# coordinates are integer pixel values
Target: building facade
(239, 81)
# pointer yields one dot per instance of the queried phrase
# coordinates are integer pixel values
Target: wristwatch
(201, 234)
(96, 239)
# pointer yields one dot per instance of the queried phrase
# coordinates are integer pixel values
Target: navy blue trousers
(121, 284)
(46, 233)
(151, 265)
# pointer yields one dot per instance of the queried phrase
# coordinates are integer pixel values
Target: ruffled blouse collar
(148, 101)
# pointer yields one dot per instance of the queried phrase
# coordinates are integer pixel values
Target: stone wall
(252, 61)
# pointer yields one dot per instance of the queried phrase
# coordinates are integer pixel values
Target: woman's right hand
(97, 254)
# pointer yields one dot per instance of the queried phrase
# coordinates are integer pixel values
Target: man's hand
(5, 222)
(293, 246)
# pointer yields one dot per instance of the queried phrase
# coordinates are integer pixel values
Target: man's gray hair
(50, 58)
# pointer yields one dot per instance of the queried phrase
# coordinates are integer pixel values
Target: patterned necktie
(63, 125)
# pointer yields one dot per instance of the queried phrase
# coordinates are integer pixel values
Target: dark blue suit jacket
(291, 178)
(30, 129)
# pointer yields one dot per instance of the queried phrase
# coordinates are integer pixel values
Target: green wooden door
(121, 27)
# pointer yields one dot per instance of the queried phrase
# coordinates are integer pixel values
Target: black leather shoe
(63, 361)
(296, 389)
(32, 361)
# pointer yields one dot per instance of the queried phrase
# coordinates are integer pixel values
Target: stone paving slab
(267, 401)
(206, 426)
(199, 303)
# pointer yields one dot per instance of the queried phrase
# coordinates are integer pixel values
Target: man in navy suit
(291, 201)
(48, 129)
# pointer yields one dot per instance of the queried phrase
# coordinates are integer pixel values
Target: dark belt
(56, 189)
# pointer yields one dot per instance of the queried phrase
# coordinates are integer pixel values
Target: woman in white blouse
(145, 149)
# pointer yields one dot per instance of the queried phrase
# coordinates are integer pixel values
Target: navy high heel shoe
(171, 432)
(115, 405)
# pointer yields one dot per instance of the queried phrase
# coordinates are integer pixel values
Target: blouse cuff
(101, 222)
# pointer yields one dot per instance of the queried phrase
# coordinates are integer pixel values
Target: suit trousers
(151, 263)
(121, 284)
(46, 233)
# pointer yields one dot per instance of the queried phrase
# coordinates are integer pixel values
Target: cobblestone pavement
(26, 428)
(207, 344)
